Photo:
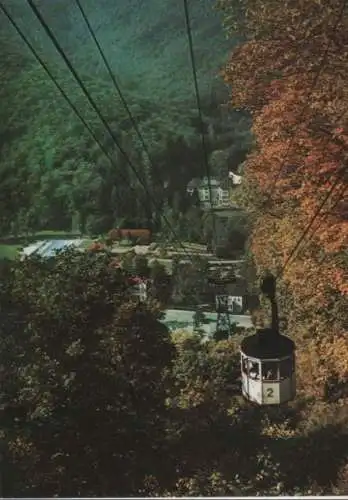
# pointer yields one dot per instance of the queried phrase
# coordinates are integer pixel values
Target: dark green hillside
(53, 175)
(143, 39)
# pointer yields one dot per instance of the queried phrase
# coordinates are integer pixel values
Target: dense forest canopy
(95, 384)
(65, 178)
(145, 41)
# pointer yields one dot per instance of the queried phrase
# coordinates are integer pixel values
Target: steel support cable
(305, 107)
(330, 139)
(91, 101)
(339, 198)
(340, 193)
(322, 63)
(118, 90)
(102, 119)
(61, 90)
(199, 108)
(313, 219)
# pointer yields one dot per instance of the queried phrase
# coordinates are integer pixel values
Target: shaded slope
(143, 40)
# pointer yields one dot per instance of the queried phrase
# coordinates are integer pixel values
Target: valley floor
(179, 319)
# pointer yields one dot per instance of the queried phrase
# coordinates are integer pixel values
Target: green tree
(198, 321)
(192, 226)
(190, 282)
(141, 266)
(84, 379)
(161, 283)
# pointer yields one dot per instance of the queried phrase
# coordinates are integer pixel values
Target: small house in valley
(206, 189)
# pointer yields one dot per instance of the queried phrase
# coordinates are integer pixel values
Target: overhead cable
(305, 107)
(340, 193)
(199, 107)
(63, 93)
(118, 90)
(105, 123)
(313, 219)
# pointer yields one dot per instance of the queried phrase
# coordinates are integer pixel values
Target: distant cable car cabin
(268, 360)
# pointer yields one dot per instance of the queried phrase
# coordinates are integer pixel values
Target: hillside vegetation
(54, 174)
(145, 41)
(98, 399)
(291, 73)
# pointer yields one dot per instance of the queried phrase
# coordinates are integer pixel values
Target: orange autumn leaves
(291, 73)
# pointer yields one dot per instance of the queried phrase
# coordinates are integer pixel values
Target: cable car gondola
(268, 361)
(268, 368)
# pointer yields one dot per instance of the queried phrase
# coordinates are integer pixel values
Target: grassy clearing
(87, 242)
(55, 235)
(9, 251)
(40, 235)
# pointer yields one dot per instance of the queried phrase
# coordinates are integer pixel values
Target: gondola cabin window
(251, 368)
(254, 370)
(270, 371)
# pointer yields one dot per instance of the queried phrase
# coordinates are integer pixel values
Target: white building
(236, 179)
(218, 192)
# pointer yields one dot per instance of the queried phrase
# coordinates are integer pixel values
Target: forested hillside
(145, 41)
(54, 174)
(291, 75)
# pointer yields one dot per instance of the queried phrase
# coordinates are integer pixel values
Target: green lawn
(87, 242)
(9, 251)
(25, 240)
(54, 235)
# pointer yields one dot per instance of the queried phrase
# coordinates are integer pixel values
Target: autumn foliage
(290, 73)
